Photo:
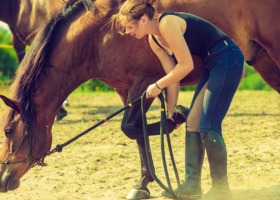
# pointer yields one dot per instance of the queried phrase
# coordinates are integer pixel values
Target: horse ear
(11, 103)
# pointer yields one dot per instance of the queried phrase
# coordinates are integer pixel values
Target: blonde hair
(133, 10)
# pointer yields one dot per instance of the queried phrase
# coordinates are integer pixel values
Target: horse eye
(8, 131)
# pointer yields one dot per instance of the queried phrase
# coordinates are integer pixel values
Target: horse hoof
(136, 194)
(66, 103)
(61, 114)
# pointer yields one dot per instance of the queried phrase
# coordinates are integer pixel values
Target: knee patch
(195, 112)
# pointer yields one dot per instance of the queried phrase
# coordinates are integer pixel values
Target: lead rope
(60, 147)
(163, 130)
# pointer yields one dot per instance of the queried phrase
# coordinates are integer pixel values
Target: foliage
(8, 59)
(94, 85)
(8, 63)
(253, 81)
(5, 36)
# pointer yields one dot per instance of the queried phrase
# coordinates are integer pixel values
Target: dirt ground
(104, 164)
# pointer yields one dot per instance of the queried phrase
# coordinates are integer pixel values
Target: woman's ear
(144, 19)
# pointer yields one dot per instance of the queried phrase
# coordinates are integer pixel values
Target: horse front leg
(140, 189)
(132, 128)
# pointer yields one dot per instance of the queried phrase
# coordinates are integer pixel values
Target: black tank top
(200, 35)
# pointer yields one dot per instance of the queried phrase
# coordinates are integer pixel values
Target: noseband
(29, 136)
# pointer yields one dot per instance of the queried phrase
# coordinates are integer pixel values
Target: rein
(163, 130)
(60, 147)
(28, 134)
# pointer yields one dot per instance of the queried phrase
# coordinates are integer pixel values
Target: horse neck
(9, 11)
(56, 74)
(50, 95)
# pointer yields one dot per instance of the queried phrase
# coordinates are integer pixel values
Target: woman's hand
(152, 91)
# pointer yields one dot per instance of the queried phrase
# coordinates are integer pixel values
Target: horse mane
(32, 66)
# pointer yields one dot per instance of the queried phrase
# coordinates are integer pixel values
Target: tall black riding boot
(217, 157)
(191, 189)
(194, 156)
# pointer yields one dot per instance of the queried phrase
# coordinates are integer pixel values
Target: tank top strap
(155, 40)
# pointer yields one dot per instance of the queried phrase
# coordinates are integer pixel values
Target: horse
(25, 17)
(77, 45)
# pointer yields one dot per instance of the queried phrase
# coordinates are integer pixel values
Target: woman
(173, 37)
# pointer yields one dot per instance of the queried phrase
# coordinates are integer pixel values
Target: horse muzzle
(8, 181)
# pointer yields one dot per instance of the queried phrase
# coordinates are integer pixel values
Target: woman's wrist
(158, 86)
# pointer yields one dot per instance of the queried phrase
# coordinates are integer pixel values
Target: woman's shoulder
(165, 14)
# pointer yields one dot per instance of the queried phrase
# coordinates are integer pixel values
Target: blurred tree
(8, 59)
(95, 85)
(253, 81)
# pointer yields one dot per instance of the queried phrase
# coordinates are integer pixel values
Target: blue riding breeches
(222, 72)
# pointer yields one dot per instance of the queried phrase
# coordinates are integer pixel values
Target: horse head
(20, 152)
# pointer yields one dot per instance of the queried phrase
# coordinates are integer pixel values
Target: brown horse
(24, 18)
(76, 46)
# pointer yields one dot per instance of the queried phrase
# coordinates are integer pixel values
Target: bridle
(29, 136)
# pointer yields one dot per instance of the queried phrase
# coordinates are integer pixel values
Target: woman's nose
(127, 31)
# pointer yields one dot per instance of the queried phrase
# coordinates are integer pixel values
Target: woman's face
(135, 28)
(131, 27)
